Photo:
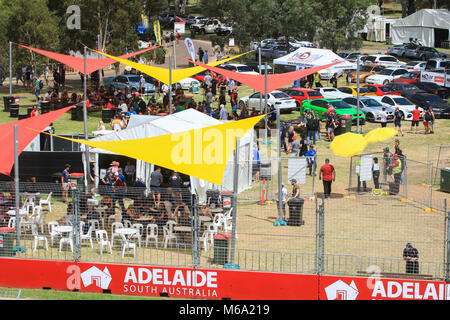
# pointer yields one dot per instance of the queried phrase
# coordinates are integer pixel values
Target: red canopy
(92, 65)
(25, 135)
(257, 82)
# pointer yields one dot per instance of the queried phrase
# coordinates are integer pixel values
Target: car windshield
(363, 90)
(409, 75)
(412, 63)
(134, 79)
(386, 72)
(402, 101)
(384, 89)
(340, 105)
(314, 94)
(279, 95)
(366, 69)
(371, 103)
(243, 69)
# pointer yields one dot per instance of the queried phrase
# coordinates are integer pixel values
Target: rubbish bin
(77, 113)
(107, 115)
(265, 171)
(45, 107)
(14, 110)
(445, 180)
(213, 196)
(221, 246)
(9, 100)
(296, 212)
(7, 236)
(346, 125)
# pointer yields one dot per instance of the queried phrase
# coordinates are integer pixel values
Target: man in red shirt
(415, 119)
(328, 175)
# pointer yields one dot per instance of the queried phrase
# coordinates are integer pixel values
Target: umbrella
(348, 144)
(380, 134)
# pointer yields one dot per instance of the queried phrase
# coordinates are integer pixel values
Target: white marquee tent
(422, 25)
(313, 57)
(178, 122)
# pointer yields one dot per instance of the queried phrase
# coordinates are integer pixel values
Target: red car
(381, 90)
(201, 76)
(410, 77)
(301, 94)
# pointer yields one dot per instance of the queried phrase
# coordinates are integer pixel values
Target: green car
(320, 106)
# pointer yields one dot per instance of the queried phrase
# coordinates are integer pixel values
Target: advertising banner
(157, 30)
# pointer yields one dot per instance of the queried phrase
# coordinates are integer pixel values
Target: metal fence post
(76, 225)
(447, 243)
(320, 244)
(196, 248)
(235, 198)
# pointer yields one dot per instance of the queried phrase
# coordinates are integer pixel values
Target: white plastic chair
(204, 240)
(140, 232)
(127, 245)
(127, 224)
(219, 221)
(38, 238)
(66, 240)
(168, 236)
(94, 223)
(52, 232)
(47, 202)
(152, 233)
(102, 240)
(170, 224)
(87, 236)
(114, 226)
(212, 231)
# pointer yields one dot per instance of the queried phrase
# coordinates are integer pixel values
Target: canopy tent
(163, 74)
(423, 25)
(137, 119)
(313, 57)
(77, 63)
(274, 81)
(181, 122)
(25, 136)
(378, 27)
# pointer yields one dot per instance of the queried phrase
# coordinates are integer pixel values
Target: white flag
(190, 47)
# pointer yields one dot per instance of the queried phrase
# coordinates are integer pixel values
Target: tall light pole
(10, 69)
(85, 118)
(358, 100)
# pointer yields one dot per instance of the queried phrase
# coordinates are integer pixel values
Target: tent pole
(170, 84)
(175, 54)
(85, 119)
(16, 183)
(10, 69)
(100, 77)
(280, 173)
(235, 199)
(260, 96)
(358, 96)
(265, 99)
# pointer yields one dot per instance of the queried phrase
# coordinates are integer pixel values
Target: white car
(404, 105)
(371, 108)
(384, 60)
(328, 74)
(241, 68)
(187, 83)
(416, 65)
(332, 93)
(275, 98)
(386, 75)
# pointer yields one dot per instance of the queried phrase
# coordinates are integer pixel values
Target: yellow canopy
(348, 144)
(202, 153)
(163, 74)
(380, 134)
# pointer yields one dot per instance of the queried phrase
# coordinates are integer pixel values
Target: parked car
(302, 94)
(433, 88)
(353, 90)
(276, 98)
(423, 53)
(332, 93)
(416, 65)
(437, 64)
(441, 108)
(224, 29)
(277, 51)
(241, 68)
(130, 82)
(371, 108)
(403, 104)
(327, 74)
(255, 67)
(405, 89)
(380, 90)
(398, 50)
(410, 77)
(187, 83)
(204, 26)
(387, 61)
(386, 75)
(365, 71)
(321, 107)
(349, 55)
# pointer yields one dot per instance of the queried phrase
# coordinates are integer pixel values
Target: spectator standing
(205, 57)
(200, 54)
(311, 159)
(295, 189)
(311, 127)
(156, 179)
(303, 147)
(415, 119)
(411, 256)
(349, 78)
(284, 200)
(317, 79)
(429, 121)
(130, 171)
(398, 117)
(328, 175)
(383, 117)
(223, 113)
(376, 173)
(387, 160)
(65, 176)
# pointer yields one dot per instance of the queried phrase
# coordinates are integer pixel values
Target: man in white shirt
(284, 200)
(123, 107)
(223, 113)
(383, 117)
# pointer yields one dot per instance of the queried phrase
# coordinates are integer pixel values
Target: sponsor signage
(439, 78)
(214, 284)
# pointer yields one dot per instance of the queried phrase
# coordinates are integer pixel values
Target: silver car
(424, 53)
(371, 108)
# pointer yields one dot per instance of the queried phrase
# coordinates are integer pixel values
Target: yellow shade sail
(348, 144)
(202, 153)
(380, 134)
(163, 74)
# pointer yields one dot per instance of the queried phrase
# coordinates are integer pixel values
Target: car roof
(301, 89)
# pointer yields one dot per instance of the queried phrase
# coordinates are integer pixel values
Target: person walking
(311, 159)
(398, 117)
(328, 175)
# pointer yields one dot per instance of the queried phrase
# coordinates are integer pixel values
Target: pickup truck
(129, 81)
(437, 70)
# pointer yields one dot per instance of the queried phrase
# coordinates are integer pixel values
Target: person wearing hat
(396, 168)
(65, 183)
(398, 116)
(411, 256)
(295, 189)
(311, 159)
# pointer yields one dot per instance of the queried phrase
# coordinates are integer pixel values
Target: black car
(440, 107)
(405, 89)
(433, 88)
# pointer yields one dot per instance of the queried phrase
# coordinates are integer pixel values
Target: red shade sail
(76, 63)
(257, 82)
(25, 135)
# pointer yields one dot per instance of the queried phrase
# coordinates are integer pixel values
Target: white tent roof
(429, 18)
(313, 57)
(137, 120)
